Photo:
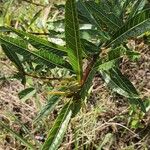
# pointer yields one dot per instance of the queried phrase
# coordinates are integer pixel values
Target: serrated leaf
(26, 94)
(40, 57)
(59, 128)
(134, 27)
(16, 135)
(38, 42)
(72, 38)
(109, 18)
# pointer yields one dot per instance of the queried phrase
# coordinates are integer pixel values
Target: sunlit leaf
(134, 27)
(59, 128)
(35, 17)
(138, 6)
(41, 57)
(73, 44)
(120, 84)
(38, 42)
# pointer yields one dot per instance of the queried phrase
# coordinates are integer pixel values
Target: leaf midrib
(128, 31)
(63, 119)
(77, 51)
(30, 52)
(104, 16)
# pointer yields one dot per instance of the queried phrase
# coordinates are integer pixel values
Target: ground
(105, 121)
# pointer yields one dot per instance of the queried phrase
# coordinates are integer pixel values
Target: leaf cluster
(112, 22)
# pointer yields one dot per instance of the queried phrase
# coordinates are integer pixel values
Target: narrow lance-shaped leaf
(47, 58)
(138, 6)
(89, 75)
(102, 64)
(84, 13)
(124, 7)
(14, 58)
(37, 42)
(110, 19)
(120, 84)
(134, 27)
(59, 128)
(72, 38)
(86, 17)
(26, 94)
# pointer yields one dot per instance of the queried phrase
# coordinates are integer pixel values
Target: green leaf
(48, 108)
(133, 55)
(84, 13)
(38, 42)
(125, 6)
(55, 136)
(101, 65)
(114, 55)
(109, 18)
(40, 57)
(89, 48)
(112, 6)
(138, 6)
(85, 16)
(107, 65)
(120, 84)
(16, 135)
(72, 38)
(14, 58)
(26, 94)
(134, 27)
